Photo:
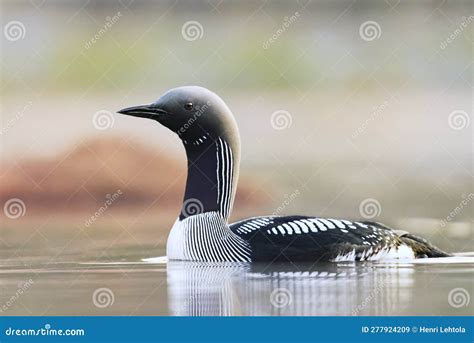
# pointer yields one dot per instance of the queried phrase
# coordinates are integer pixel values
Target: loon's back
(304, 238)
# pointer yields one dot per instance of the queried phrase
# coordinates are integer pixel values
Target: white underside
(403, 252)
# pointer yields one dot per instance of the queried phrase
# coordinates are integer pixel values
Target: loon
(202, 233)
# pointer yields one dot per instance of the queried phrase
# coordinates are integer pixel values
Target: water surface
(129, 286)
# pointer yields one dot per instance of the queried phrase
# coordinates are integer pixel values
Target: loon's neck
(213, 168)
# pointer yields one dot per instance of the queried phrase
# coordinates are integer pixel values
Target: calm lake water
(129, 286)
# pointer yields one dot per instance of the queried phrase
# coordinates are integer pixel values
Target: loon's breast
(206, 237)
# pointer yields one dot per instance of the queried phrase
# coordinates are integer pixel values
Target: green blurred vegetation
(145, 47)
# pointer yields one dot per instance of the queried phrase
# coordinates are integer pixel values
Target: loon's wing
(302, 238)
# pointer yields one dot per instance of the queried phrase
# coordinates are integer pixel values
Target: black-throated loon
(208, 130)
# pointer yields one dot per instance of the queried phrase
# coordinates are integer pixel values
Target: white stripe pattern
(206, 237)
(303, 226)
(254, 225)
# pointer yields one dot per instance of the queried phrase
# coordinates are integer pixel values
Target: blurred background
(350, 109)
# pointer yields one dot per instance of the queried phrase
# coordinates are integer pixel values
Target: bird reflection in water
(233, 289)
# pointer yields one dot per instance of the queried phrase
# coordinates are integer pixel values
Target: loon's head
(191, 112)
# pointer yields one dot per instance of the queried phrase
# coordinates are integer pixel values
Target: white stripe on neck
(225, 174)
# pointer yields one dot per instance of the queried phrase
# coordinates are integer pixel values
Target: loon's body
(211, 139)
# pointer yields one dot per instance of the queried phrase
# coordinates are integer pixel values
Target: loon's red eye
(188, 106)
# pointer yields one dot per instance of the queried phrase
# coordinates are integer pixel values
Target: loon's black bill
(142, 111)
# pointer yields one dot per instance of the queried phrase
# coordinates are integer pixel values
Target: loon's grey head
(191, 112)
